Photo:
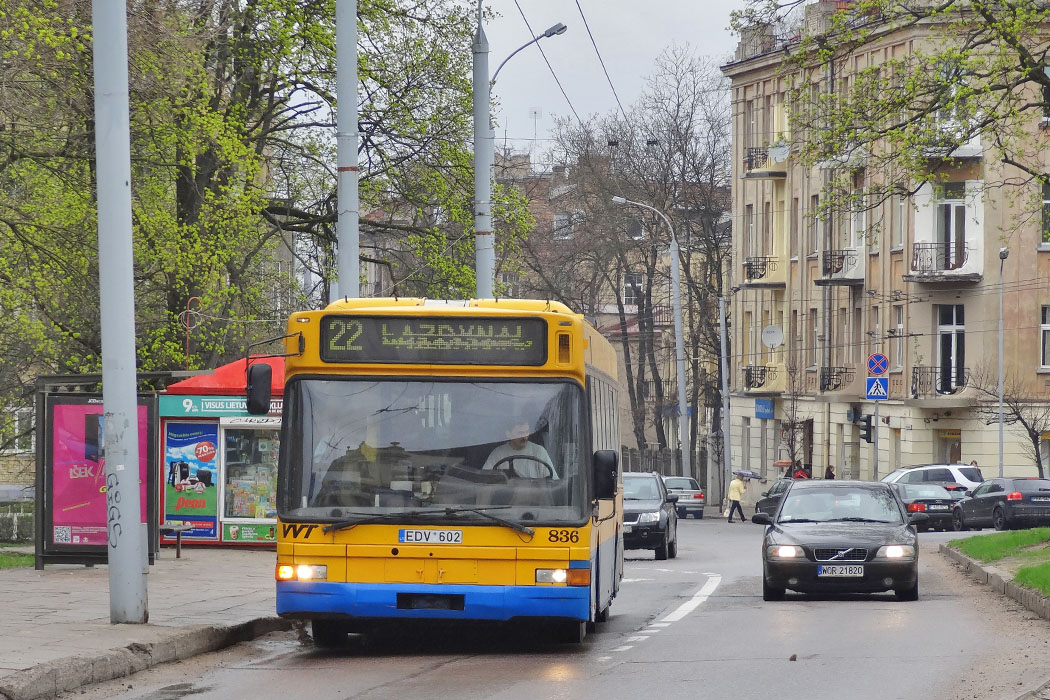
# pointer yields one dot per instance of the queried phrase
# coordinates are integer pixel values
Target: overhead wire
(598, 53)
(547, 61)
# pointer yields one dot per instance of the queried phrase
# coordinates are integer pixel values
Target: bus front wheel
(570, 631)
(328, 633)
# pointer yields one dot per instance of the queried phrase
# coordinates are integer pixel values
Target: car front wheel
(771, 593)
(909, 593)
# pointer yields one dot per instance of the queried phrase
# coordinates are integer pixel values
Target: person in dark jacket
(829, 473)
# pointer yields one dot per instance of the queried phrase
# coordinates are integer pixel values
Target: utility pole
(726, 458)
(484, 158)
(347, 224)
(126, 533)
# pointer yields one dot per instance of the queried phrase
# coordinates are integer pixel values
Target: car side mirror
(257, 388)
(604, 467)
(765, 494)
(762, 518)
(672, 498)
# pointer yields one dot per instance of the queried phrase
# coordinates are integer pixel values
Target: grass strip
(993, 547)
(14, 560)
(1037, 577)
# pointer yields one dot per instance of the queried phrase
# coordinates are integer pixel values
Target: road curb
(49, 679)
(1000, 581)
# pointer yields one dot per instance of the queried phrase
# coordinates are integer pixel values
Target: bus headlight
(302, 572)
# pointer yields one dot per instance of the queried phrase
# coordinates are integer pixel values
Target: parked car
(690, 496)
(950, 476)
(771, 498)
(840, 537)
(933, 500)
(650, 520)
(1004, 504)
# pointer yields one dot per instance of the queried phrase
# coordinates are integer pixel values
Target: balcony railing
(927, 381)
(756, 267)
(832, 378)
(931, 258)
(755, 157)
(755, 376)
(835, 261)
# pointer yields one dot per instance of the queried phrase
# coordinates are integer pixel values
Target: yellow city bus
(446, 460)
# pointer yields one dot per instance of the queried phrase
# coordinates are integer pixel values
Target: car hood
(837, 534)
(646, 506)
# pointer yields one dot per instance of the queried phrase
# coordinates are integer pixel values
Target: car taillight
(1015, 496)
(698, 495)
(916, 507)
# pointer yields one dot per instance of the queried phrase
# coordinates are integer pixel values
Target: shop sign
(950, 434)
(763, 408)
(253, 532)
(176, 406)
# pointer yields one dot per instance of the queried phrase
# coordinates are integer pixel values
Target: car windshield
(971, 473)
(827, 504)
(894, 475)
(682, 482)
(366, 448)
(640, 488)
(924, 491)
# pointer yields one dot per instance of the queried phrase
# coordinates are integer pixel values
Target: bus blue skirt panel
(303, 599)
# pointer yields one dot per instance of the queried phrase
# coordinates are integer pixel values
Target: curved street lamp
(679, 342)
(484, 155)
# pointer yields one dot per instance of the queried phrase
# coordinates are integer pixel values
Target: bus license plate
(430, 536)
(840, 570)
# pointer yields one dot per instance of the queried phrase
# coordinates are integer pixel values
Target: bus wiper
(502, 521)
(366, 518)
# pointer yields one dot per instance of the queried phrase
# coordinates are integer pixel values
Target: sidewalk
(55, 633)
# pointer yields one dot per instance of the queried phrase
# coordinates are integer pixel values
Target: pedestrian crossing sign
(877, 389)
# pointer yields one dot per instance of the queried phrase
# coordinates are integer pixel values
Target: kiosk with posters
(219, 462)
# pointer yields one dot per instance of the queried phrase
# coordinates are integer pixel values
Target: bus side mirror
(258, 389)
(605, 464)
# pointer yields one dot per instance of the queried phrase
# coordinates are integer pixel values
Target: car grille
(849, 554)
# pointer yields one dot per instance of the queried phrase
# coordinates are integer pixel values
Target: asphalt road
(695, 626)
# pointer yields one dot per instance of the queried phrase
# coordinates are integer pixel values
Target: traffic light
(865, 428)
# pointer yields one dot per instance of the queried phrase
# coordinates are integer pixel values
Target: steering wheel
(506, 465)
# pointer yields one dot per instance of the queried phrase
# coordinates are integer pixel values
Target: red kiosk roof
(229, 380)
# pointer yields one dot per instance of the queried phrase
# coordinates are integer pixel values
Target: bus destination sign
(439, 341)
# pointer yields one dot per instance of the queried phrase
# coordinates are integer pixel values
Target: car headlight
(896, 551)
(649, 517)
(783, 551)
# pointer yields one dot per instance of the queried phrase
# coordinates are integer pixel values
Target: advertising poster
(191, 484)
(78, 512)
(239, 532)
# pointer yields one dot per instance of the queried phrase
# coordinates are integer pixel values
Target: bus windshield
(430, 450)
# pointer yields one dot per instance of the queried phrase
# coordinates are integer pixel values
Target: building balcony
(841, 267)
(765, 162)
(836, 378)
(941, 387)
(764, 379)
(941, 263)
(765, 271)
(952, 146)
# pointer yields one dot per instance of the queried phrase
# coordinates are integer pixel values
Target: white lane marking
(659, 624)
(650, 630)
(604, 658)
(625, 647)
(634, 580)
(638, 638)
(696, 601)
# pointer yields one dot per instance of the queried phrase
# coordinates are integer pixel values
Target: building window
(511, 287)
(814, 333)
(951, 347)
(632, 288)
(858, 213)
(898, 336)
(16, 431)
(562, 226)
(874, 339)
(1045, 238)
(749, 230)
(951, 226)
(1044, 338)
(900, 220)
(793, 250)
(814, 224)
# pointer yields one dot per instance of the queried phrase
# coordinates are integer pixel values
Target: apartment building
(915, 277)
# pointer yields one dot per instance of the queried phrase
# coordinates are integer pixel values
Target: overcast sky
(629, 35)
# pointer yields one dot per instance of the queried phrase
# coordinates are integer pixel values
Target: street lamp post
(679, 343)
(1003, 253)
(484, 156)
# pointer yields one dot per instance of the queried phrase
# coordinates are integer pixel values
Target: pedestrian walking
(736, 492)
(829, 473)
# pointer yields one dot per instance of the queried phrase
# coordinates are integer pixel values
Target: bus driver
(535, 464)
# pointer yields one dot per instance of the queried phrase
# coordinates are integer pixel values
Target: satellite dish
(772, 337)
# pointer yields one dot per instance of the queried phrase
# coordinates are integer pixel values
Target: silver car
(691, 497)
